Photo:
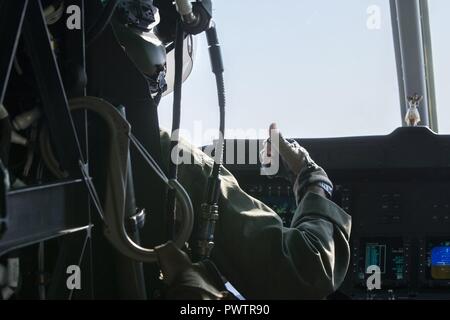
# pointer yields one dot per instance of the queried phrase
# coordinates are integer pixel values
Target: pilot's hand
(304, 173)
(293, 156)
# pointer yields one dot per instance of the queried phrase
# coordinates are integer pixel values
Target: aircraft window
(318, 68)
(441, 52)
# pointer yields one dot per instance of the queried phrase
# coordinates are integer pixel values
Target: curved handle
(188, 213)
(114, 207)
(118, 236)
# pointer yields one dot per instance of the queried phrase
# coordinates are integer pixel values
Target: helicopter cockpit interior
(361, 85)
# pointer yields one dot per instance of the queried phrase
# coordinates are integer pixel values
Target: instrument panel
(400, 208)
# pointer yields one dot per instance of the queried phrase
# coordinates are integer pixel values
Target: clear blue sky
(315, 68)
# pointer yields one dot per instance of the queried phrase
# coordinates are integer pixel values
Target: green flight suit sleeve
(260, 257)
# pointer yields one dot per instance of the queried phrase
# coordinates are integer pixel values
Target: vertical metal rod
(429, 65)
(412, 54)
(398, 59)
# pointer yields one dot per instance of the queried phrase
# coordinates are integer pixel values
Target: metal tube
(429, 65)
(412, 54)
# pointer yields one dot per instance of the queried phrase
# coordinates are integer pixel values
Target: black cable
(210, 209)
(218, 69)
(105, 18)
(176, 120)
(220, 82)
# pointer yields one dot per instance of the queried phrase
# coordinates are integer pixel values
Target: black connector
(215, 52)
(202, 12)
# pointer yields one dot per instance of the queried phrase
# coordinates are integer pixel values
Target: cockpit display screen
(376, 256)
(387, 254)
(439, 260)
(284, 206)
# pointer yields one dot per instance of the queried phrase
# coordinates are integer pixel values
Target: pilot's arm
(255, 252)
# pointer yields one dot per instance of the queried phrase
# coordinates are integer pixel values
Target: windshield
(320, 69)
